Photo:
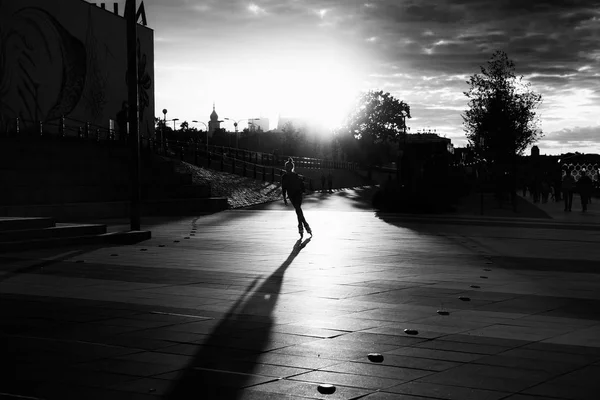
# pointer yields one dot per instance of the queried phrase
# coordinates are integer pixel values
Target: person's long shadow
(227, 359)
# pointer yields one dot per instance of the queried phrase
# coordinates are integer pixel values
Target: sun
(322, 94)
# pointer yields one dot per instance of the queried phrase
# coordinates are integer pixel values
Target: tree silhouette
(372, 127)
(501, 111)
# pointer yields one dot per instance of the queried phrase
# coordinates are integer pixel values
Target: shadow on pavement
(228, 357)
(38, 266)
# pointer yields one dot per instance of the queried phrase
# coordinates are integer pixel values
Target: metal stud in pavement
(464, 298)
(411, 331)
(114, 255)
(143, 249)
(161, 245)
(483, 277)
(375, 357)
(475, 286)
(175, 241)
(443, 312)
(326, 388)
(80, 261)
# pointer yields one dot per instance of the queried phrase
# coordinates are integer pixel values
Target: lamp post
(133, 99)
(206, 127)
(401, 149)
(162, 128)
(235, 125)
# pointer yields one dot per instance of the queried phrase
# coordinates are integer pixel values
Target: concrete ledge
(106, 238)
(487, 221)
(117, 209)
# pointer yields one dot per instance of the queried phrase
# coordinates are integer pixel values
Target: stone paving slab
(234, 306)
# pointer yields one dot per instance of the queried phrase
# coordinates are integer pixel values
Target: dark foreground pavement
(233, 306)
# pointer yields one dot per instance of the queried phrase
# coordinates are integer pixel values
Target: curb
(487, 221)
(115, 238)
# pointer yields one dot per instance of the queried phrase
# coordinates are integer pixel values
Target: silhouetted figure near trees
(293, 185)
(330, 181)
(545, 190)
(585, 187)
(568, 186)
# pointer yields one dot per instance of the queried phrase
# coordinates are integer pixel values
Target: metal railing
(230, 159)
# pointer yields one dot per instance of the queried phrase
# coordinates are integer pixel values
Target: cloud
(255, 9)
(576, 134)
(421, 51)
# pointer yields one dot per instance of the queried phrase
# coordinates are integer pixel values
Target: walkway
(233, 306)
(556, 210)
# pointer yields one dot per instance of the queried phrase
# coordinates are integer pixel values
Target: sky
(299, 58)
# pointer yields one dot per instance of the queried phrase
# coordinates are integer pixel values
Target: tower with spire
(214, 122)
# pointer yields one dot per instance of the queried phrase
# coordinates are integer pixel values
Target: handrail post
(41, 128)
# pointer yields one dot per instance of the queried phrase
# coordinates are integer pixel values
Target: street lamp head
(175, 119)
(165, 111)
(194, 121)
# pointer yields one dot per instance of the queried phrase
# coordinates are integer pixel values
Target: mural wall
(68, 57)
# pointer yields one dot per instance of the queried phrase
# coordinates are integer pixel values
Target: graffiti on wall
(68, 58)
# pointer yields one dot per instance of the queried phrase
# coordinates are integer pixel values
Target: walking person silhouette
(293, 185)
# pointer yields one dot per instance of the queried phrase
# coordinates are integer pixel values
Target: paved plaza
(234, 306)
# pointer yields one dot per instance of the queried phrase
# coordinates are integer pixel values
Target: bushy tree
(373, 127)
(293, 138)
(501, 121)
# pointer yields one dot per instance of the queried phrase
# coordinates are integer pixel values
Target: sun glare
(317, 87)
(319, 92)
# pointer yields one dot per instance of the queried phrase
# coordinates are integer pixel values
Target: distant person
(537, 190)
(585, 186)
(545, 189)
(122, 121)
(556, 189)
(323, 179)
(330, 181)
(292, 184)
(568, 186)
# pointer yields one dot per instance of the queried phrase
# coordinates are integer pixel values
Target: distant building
(68, 58)
(214, 123)
(260, 124)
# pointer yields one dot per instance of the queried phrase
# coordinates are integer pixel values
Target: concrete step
(116, 209)
(21, 223)
(121, 238)
(59, 231)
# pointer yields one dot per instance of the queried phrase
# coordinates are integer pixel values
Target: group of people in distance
(584, 186)
(557, 190)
